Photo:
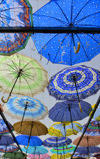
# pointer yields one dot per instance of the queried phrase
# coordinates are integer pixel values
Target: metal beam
(92, 114)
(91, 30)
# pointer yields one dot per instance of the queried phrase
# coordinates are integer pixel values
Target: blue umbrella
(74, 83)
(8, 148)
(93, 128)
(35, 150)
(14, 13)
(87, 150)
(69, 111)
(25, 108)
(62, 48)
(3, 127)
(6, 140)
(29, 140)
(81, 155)
(56, 141)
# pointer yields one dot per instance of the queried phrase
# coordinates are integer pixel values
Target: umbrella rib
(80, 11)
(93, 38)
(62, 12)
(85, 17)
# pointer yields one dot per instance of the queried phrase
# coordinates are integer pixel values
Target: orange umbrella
(32, 128)
(87, 141)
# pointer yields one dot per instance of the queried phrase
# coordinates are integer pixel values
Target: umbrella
(69, 111)
(63, 149)
(14, 155)
(25, 108)
(8, 148)
(93, 128)
(22, 75)
(42, 156)
(32, 128)
(64, 129)
(56, 141)
(97, 155)
(3, 127)
(62, 48)
(60, 156)
(87, 150)
(74, 83)
(31, 140)
(14, 13)
(97, 112)
(88, 141)
(6, 140)
(79, 154)
(35, 150)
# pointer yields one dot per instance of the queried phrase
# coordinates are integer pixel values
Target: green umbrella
(14, 155)
(20, 74)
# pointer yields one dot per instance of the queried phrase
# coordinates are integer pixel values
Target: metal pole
(96, 106)
(87, 30)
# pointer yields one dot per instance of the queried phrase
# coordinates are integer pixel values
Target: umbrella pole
(77, 93)
(24, 112)
(65, 135)
(92, 114)
(5, 101)
(71, 118)
(3, 117)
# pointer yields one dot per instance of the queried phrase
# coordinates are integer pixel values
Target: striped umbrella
(8, 148)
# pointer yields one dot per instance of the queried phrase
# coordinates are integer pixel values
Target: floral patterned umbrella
(14, 13)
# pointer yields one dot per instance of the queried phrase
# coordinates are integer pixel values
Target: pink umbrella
(45, 156)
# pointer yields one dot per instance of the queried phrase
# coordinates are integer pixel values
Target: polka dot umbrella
(68, 48)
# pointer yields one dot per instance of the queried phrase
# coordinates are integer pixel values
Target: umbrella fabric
(79, 154)
(9, 148)
(69, 111)
(93, 128)
(62, 150)
(42, 156)
(64, 129)
(97, 113)
(15, 13)
(25, 108)
(55, 156)
(87, 150)
(3, 127)
(74, 83)
(97, 155)
(56, 141)
(32, 128)
(6, 140)
(35, 150)
(23, 74)
(62, 48)
(14, 155)
(31, 140)
(88, 141)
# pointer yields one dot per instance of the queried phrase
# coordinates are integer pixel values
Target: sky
(51, 68)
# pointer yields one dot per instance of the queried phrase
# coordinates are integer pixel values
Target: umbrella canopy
(35, 150)
(88, 141)
(56, 141)
(62, 48)
(8, 148)
(93, 128)
(64, 129)
(79, 155)
(72, 82)
(60, 156)
(3, 127)
(22, 75)
(14, 13)
(63, 150)
(6, 140)
(25, 108)
(97, 112)
(69, 111)
(32, 128)
(31, 140)
(88, 150)
(97, 155)
(14, 155)
(42, 156)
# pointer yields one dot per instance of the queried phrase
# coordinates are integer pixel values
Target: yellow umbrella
(32, 128)
(60, 129)
(55, 156)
